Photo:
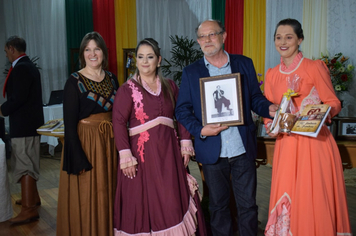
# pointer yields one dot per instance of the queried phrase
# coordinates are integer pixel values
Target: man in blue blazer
(224, 151)
(25, 110)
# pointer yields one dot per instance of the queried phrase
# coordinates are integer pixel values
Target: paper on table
(51, 125)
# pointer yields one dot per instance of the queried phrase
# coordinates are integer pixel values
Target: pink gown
(158, 201)
(308, 196)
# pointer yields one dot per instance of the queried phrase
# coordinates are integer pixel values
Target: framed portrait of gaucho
(346, 128)
(221, 100)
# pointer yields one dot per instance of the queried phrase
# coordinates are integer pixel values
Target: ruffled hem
(187, 147)
(127, 162)
(193, 186)
(126, 159)
(187, 227)
(279, 219)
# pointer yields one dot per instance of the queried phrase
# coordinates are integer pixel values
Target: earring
(158, 65)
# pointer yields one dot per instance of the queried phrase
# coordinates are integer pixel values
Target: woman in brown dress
(88, 178)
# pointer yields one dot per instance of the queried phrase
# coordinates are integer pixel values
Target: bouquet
(341, 71)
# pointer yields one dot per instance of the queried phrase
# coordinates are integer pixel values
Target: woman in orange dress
(308, 195)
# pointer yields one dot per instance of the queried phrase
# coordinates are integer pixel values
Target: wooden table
(50, 113)
(347, 150)
(59, 136)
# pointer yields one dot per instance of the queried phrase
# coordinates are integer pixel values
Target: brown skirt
(85, 201)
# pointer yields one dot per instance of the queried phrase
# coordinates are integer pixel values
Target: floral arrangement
(341, 72)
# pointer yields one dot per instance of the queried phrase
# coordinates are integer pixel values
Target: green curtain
(218, 10)
(79, 21)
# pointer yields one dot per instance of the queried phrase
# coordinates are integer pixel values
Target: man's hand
(272, 109)
(213, 129)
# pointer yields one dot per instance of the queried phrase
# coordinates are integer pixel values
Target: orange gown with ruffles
(308, 196)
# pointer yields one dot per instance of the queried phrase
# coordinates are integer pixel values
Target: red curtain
(104, 24)
(234, 25)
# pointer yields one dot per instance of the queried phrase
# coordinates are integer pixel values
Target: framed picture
(332, 127)
(261, 131)
(221, 100)
(346, 128)
(129, 63)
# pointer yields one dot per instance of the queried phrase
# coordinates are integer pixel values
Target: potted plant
(184, 52)
(8, 65)
(341, 71)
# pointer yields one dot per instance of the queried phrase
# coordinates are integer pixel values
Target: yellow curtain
(126, 37)
(255, 34)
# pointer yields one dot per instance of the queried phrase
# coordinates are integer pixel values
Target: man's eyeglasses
(211, 36)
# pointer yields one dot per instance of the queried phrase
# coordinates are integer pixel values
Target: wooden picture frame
(261, 132)
(129, 66)
(332, 127)
(346, 128)
(221, 100)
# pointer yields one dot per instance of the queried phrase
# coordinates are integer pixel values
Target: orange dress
(308, 195)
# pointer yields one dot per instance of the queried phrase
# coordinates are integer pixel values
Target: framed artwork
(129, 63)
(261, 131)
(346, 128)
(332, 127)
(221, 100)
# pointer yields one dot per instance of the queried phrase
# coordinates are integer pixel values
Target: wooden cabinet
(347, 150)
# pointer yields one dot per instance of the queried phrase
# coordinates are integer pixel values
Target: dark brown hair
(99, 42)
(297, 27)
(16, 42)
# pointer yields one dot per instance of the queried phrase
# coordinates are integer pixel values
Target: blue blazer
(188, 107)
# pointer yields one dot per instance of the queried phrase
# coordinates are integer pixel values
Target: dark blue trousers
(241, 171)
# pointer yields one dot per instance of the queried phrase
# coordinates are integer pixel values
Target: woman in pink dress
(153, 196)
(308, 195)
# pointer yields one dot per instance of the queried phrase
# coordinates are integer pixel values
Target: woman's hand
(328, 119)
(130, 172)
(186, 159)
(268, 131)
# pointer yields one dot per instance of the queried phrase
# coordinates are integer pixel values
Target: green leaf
(184, 52)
